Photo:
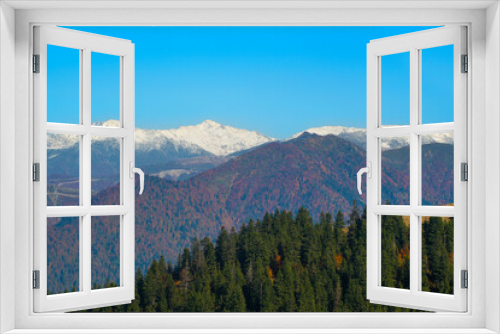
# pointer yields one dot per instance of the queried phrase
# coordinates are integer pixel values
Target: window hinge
(36, 279)
(465, 64)
(36, 63)
(36, 172)
(464, 167)
(465, 279)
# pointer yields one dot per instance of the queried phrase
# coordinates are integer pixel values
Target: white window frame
(85, 296)
(414, 43)
(484, 51)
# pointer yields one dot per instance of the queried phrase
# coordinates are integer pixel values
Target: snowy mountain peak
(218, 139)
(212, 138)
(206, 138)
(358, 137)
(330, 130)
(113, 123)
(210, 124)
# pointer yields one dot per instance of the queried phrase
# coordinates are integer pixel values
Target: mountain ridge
(311, 171)
(211, 138)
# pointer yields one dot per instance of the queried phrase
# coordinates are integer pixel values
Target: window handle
(134, 170)
(368, 171)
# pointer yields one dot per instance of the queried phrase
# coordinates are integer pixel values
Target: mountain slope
(358, 137)
(311, 171)
(437, 175)
(194, 146)
(316, 172)
(206, 138)
(218, 139)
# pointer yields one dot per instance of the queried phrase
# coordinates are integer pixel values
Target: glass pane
(63, 85)
(437, 169)
(437, 84)
(63, 170)
(63, 254)
(105, 90)
(437, 254)
(396, 252)
(105, 171)
(395, 89)
(395, 171)
(105, 252)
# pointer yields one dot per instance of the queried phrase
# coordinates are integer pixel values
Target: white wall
(492, 163)
(7, 161)
(488, 283)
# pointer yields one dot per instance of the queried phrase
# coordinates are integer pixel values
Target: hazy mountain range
(192, 191)
(212, 138)
(178, 154)
(311, 171)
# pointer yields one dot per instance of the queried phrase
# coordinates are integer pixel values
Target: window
(428, 218)
(68, 225)
(182, 223)
(477, 257)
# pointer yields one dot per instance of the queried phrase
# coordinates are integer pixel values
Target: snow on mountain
(354, 135)
(58, 142)
(112, 123)
(212, 138)
(208, 136)
(330, 130)
(358, 137)
(218, 139)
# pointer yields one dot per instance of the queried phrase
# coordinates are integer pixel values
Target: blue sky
(275, 80)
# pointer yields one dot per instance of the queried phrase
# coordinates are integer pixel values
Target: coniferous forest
(289, 263)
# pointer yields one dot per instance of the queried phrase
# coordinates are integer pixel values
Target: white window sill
(251, 331)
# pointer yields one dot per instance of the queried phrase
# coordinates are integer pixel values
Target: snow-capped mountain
(354, 135)
(58, 141)
(210, 138)
(218, 139)
(358, 137)
(188, 150)
(206, 138)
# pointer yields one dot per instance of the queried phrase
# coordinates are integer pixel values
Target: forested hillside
(318, 173)
(287, 263)
(314, 172)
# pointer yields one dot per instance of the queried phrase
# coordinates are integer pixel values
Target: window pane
(437, 254)
(395, 89)
(437, 169)
(105, 90)
(63, 170)
(63, 254)
(105, 252)
(105, 171)
(396, 252)
(437, 84)
(395, 171)
(63, 85)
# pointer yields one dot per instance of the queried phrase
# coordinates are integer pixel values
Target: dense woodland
(287, 263)
(315, 172)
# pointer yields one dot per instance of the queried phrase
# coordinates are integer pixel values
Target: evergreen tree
(288, 263)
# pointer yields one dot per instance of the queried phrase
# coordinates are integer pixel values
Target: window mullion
(86, 180)
(86, 249)
(430, 129)
(415, 170)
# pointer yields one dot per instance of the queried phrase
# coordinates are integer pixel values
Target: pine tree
(288, 263)
(305, 295)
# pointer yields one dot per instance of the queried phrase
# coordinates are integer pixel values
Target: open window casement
(79, 222)
(416, 209)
